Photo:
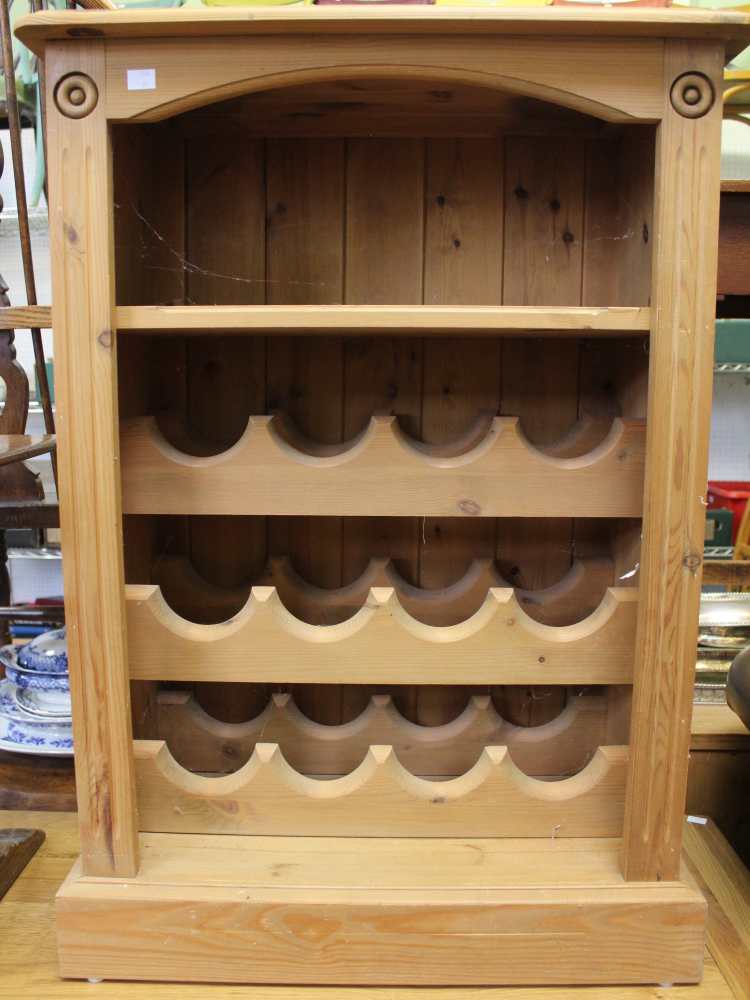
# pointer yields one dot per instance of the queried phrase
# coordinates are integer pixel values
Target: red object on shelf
(729, 495)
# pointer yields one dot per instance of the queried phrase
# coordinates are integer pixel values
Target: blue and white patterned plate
(45, 750)
(35, 679)
(51, 691)
(47, 653)
(23, 733)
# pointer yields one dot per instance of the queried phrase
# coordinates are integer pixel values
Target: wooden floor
(28, 961)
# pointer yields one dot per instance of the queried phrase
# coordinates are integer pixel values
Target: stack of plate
(35, 697)
(723, 631)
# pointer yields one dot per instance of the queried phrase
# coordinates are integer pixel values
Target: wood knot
(567, 236)
(84, 33)
(692, 95)
(105, 338)
(76, 95)
(470, 507)
(692, 562)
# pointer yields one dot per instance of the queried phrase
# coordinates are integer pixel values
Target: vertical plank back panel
(384, 264)
(225, 248)
(619, 219)
(149, 199)
(305, 213)
(617, 271)
(544, 188)
(388, 220)
(463, 258)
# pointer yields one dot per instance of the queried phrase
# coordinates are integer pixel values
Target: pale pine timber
(201, 743)
(381, 644)
(686, 219)
(501, 476)
(80, 199)
(380, 798)
(571, 599)
(583, 75)
(366, 320)
(411, 911)
(726, 25)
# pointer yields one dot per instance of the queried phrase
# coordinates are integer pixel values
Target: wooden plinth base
(379, 911)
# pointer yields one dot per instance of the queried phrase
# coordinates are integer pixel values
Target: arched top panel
(620, 83)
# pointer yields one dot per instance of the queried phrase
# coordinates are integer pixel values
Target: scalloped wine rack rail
(573, 597)
(380, 798)
(383, 473)
(201, 743)
(381, 644)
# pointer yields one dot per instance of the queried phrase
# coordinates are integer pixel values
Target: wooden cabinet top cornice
(730, 26)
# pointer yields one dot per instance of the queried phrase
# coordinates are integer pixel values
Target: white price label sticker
(141, 79)
(698, 820)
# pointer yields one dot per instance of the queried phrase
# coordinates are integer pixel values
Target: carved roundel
(76, 95)
(692, 95)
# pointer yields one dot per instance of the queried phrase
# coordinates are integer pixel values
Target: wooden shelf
(381, 644)
(202, 743)
(275, 909)
(351, 320)
(264, 473)
(380, 798)
(717, 727)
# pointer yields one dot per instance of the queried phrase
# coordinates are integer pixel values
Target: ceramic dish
(38, 751)
(27, 677)
(47, 653)
(26, 734)
(34, 679)
(37, 703)
(52, 690)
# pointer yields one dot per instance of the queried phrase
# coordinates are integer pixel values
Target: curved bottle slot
(381, 644)
(202, 743)
(501, 475)
(569, 600)
(380, 798)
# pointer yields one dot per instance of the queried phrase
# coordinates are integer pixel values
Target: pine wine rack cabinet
(384, 348)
